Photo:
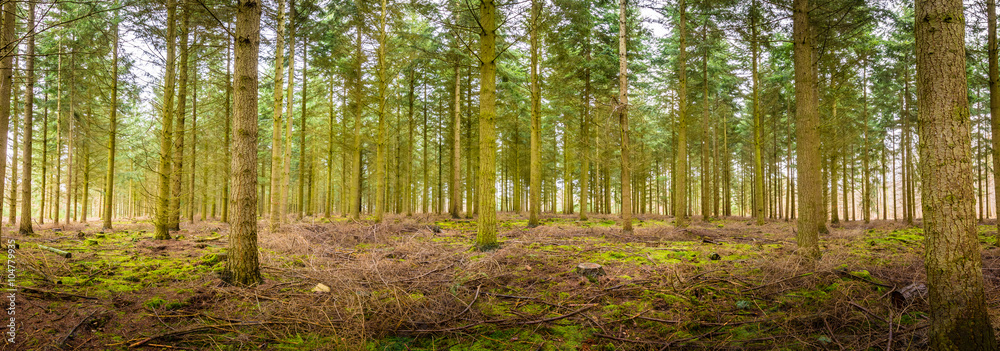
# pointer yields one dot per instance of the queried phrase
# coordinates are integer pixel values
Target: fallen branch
(865, 310)
(622, 285)
(63, 340)
(546, 320)
(59, 252)
(41, 291)
(199, 240)
(847, 274)
(467, 308)
(500, 322)
(612, 337)
(197, 329)
(511, 296)
(779, 282)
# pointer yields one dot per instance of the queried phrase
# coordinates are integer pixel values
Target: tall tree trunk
(29, 111)
(286, 169)
(994, 82)
(178, 152)
(12, 205)
(486, 234)
(57, 185)
(535, 186)
(706, 156)
(680, 154)
(905, 143)
(585, 135)
(304, 163)
(109, 179)
(758, 125)
(166, 137)
(194, 145)
(383, 82)
(455, 204)
(807, 132)
(411, 96)
(622, 107)
(45, 157)
(959, 318)
(355, 203)
(243, 267)
(329, 157)
(7, 52)
(276, 141)
(865, 172)
(424, 165)
(227, 135)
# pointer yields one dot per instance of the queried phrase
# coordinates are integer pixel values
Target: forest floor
(416, 284)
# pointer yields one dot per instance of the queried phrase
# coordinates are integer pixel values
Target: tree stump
(590, 270)
(908, 294)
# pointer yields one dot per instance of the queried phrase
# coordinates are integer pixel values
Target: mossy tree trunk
(383, 82)
(535, 186)
(176, 175)
(994, 81)
(486, 234)
(622, 107)
(959, 317)
(166, 133)
(109, 179)
(680, 140)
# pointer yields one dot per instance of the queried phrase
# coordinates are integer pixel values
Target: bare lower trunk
(959, 318)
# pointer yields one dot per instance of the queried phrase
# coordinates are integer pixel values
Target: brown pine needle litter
(400, 285)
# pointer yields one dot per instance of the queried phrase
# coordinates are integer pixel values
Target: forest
(500, 175)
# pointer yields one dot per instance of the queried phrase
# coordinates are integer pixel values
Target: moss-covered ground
(414, 283)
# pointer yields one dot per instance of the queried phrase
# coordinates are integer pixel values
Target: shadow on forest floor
(414, 283)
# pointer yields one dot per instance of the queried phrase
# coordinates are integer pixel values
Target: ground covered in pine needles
(414, 283)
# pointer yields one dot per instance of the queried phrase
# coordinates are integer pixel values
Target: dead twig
(467, 308)
(778, 282)
(62, 341)
(199, 328)
(41, 291)
(870, 313)
(424, 275)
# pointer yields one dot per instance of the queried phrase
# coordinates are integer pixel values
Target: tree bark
(29, 111)
(758, 125)
(276, 141)
(383, 82)
(161, 224)
(680, 155)
(455, 204)
(622, 107)
(994, 82)
(109, 179)
(304, 163)
(7, 52)
(486, 235)
(959, 318)
(177, 176)
(807, 132)
(535, 186)
(242, 266)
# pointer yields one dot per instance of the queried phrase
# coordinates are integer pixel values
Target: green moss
(174, 305)
(154, 303)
